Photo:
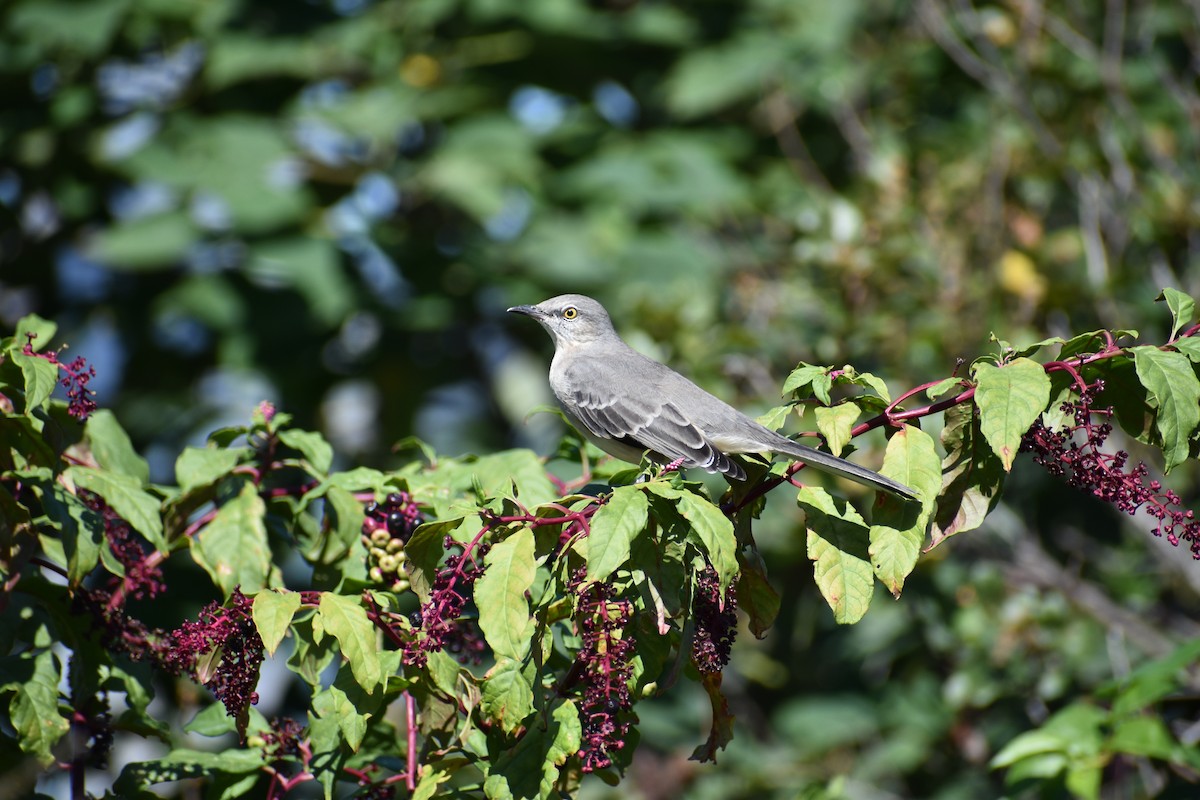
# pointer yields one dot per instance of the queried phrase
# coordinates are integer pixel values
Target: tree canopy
(299, 453)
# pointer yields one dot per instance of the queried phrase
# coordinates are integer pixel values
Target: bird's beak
(529, 311)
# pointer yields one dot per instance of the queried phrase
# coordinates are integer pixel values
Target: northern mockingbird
(628, 404)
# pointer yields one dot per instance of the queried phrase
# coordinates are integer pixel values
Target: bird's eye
(570, 312)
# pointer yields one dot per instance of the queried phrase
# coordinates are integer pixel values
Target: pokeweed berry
(387, 527)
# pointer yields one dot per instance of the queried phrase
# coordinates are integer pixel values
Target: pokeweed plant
(477, 624)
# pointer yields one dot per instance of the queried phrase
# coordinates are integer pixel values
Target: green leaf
(125, 496)
(429, 781)
(1183, 309)
(183, 764)
(1175, 392)
(82, 529)
(237, 56)
(1030, 349)
(479, 159)
(111, 447)
(613, 528)
(233, 547)
(226, 154)
(873, 382)
(507, 694)
(899, 526)
(499, 472)
(775, 418)
(838, 543)
(40, 379)
(802, 376)
(1130, 400)
(310, 266)
(1010, 399)
(212, 720)
(425, 550)
(943, 386)
(1076, 731)
(202, 466)
(145, 243)
(43, 331)
(1144, 736)
(1083, 780)
(345, 519)
(358, 479)
(1190, 347)
(529, 769)
(309, 660)
(707, 79)
(311, 445)
(1031, 743)
(346, 620)
(336, 714)
(755, 594)
(711, 530)
(34, 710)
(1155, 680)
(500, 595)
(835, 423)
(272, 613)
(84, 31)
(972, 476)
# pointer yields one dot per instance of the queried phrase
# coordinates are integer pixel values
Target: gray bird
(628, 404)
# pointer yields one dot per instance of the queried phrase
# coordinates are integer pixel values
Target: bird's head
(571, 319)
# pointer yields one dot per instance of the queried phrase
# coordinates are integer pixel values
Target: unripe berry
(395, 545)
(387, 563)
(376, 574)
(380, 537)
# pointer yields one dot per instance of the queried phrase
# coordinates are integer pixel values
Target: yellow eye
(570, 312)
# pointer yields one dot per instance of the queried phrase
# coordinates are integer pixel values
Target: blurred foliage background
(330, 203)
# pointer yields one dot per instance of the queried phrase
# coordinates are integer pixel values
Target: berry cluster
(386, 528)
(606, 659)
(143, 579)
(284, 738)
(439, 624)
(715, 622)
(231, 635)
(1076, 452)
(80, 399)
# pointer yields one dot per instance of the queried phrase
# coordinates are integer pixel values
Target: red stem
(410, 721)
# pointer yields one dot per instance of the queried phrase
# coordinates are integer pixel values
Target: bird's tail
(826, 462)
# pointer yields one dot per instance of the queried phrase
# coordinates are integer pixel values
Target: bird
(628, 404)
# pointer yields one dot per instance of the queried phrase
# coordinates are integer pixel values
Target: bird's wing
(649, 423)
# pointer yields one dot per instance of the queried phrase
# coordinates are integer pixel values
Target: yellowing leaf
(837, 544)
(899, 526)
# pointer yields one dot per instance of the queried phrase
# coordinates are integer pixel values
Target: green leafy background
(331, 204)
